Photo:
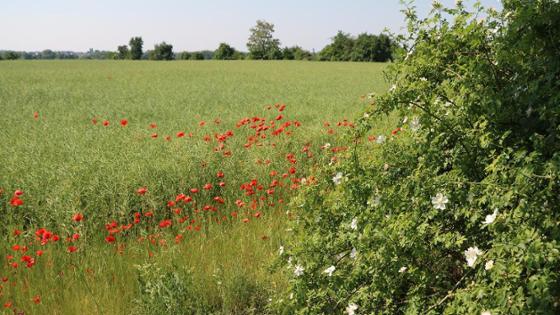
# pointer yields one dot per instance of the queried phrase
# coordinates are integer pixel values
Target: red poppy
(222, 184)
(76, 236)
(16, 202)
(8, 304)
(17, 232)
(37, 299)
(154, 135)
(141, 191)
(18, 193)
(220, 174)
(194, 190)
(36, 115)
(110, 239)
(78, 217)
(165, 223)
(105, 123)
(153, 126)
(180, 134)
(207, 186)
(72, 249)
(124, 122)
(39, 253)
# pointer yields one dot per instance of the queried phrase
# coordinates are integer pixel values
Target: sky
(78, 25)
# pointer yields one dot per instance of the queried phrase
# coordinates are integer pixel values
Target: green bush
(458, 211)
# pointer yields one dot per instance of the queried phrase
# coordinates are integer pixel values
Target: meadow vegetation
(157, 188)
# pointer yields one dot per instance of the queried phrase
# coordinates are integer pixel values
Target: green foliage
(184, 55)
(262, 44)
(197, 55)
(366, 47)
(224, 52)
(11, 55)
(472, 173)
(136, 44)
(123, 53)
(340, 49)
(296, 53)
(162, 51)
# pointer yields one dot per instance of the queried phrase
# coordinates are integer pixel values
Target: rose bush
(458, 210)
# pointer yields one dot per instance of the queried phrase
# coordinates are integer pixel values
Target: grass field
(80, 139)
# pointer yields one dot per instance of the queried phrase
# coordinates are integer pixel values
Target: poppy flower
(72, 249)
(207, 186)
(78, 217)
(222, 184)
(39, 253)
(18, 193)
(16, 202)
(165, 223)
(110, 239)
(171, 204)
(105, 123)
(245, 220)
(194, 190)
(36, 115)
(37, 299)
(153, 126)
(124, 122)
(142, 191)
(154, 135)
(180, 134)
(17, 232)
(8, 304)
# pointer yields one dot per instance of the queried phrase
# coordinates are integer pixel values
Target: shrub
(457, 211)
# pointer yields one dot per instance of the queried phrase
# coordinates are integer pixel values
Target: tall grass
(65, 164)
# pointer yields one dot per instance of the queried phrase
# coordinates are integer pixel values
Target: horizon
(78, 26)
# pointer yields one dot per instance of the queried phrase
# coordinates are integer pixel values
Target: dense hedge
(458, 212)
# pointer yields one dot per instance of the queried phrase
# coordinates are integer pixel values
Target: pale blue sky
(190, 25)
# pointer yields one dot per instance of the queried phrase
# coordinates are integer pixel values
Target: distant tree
(162, 51)
(123, 52)
(208, 54)
(296, 53)
(184, 55)
(47, 54)
(224, 52)
(136, 44)
(262, 44)
(385, 48)
(365, 47)
(197, 55)
(288, 53)
(239, 55)
(340, 49)
(302, 54)
(11, 55)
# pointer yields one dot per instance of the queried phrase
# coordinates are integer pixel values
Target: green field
(56, 149)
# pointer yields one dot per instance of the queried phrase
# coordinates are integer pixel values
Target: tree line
(261, 45)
